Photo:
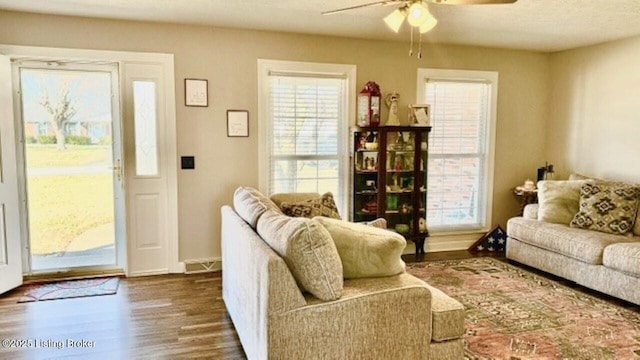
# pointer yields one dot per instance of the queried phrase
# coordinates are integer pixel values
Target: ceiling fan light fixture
(394, 20)
(428, 25)
(418, 14)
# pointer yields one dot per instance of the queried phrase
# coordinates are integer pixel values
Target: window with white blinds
(460, 155)
(307, 117)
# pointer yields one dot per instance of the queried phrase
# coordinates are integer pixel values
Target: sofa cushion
(365, 251)
(307, 248)
(607, 207)
(558, 200)
(322, 206)
(250, 204)
(584, 245)
(623, 257)
(531, 212)
(447, 316)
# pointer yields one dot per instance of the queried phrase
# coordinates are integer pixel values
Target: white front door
(148, 181)
(10, 241)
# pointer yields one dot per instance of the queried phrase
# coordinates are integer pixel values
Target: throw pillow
(558, 201)
(581, 177)
(607, 207)
(322, 206)
(250, 204)
(280, 198)
(307, 248)
(366, 251)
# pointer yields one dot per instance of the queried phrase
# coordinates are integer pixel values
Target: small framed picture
(196, 92)
(420, 115)
(237, 123)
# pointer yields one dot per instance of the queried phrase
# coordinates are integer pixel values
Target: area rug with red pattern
(515, 314)
(71, 289)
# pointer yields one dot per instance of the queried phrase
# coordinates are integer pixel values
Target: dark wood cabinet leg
(419, 246)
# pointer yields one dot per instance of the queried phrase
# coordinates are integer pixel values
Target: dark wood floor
(159, 317)
(172, 316)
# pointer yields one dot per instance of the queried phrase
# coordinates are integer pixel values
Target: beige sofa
(395, 317)
(603, 262)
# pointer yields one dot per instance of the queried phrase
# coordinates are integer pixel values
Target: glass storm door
(72, 165)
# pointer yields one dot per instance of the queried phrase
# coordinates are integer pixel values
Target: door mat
(512, 313)
(71, 289)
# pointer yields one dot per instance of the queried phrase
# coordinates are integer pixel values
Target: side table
(526, 197)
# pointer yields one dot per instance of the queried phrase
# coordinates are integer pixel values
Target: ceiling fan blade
(472, 2)
(377, 3)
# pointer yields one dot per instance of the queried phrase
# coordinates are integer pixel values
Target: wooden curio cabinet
(389, 167)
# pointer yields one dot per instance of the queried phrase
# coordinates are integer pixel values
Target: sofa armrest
(255, 282)
(531, 212)
(386, 317)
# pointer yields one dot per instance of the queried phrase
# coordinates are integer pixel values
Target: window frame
(491, 78)
(265, 67)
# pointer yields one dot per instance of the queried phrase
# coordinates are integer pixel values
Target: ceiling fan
(416, 12)
(409, 2)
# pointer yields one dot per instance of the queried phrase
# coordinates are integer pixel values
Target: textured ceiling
(542, 25)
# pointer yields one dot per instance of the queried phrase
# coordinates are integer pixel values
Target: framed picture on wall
(196, 92)
(419, 115)
(237, 123)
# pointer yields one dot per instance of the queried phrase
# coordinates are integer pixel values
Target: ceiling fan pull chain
(411, 49)
(420, 47)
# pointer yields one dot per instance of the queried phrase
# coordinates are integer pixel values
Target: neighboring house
(94, 127)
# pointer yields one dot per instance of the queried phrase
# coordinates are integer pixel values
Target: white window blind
(306, 115)
(458, 151)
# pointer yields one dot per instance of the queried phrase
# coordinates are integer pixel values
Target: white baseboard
(148, 272)
(178, 268)
(196, 266)
(441, 243)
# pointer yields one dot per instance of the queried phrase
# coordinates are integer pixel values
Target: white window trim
(490, 77)
(264, 124)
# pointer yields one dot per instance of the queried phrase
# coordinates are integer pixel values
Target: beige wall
(594, 122)
(228, 57)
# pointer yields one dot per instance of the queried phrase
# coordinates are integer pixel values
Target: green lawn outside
(75, 155)
(61, 207)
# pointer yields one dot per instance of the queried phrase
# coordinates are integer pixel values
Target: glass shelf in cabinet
(398, 212)
(366, 214)
(366, 171)
(400, 151)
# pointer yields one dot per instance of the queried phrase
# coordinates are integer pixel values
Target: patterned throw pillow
(322, 206)
(607, 207)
